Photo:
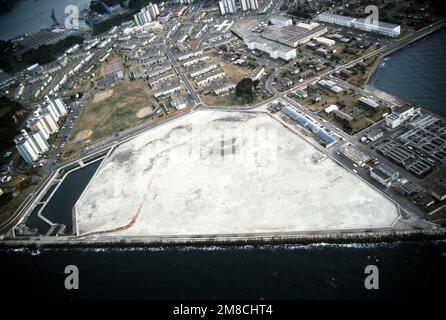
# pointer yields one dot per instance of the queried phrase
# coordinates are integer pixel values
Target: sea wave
(223, 248)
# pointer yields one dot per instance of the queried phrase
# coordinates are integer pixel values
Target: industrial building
(292, 35)
(274, 50)
(400, 115)
(439, 192)
(324, 137)
(366, 102)
(387, 29)
(325, 42)
(281, 21)
(354, 154)
(384, 174)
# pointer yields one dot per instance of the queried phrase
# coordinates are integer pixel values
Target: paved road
(186, 82)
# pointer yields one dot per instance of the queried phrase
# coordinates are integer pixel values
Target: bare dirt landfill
(225, 173)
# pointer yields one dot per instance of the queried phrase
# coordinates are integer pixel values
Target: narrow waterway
(59, 207)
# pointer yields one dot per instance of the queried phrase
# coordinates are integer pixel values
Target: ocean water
(321, 271)
(32, 15)
(417, 73)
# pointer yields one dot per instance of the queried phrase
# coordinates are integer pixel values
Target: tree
(244, 90)
(12, 115)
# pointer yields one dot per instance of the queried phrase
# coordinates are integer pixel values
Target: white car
(6, 179)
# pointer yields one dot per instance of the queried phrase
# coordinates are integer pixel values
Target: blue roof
(324, 136)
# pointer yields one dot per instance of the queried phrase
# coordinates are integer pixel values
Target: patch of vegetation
(245, 90)
(42, 55)
(134, 6)
(12, 114)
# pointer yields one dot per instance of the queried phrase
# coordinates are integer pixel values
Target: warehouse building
(381, 177)
(275, 50)
(439, 192)
(281, 21)
(292, 35)
(324, 137)
(366, 102)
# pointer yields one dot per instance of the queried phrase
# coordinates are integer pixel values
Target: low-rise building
(384, 174)
(275, 50)
(381, 177)
(178, 102)
(190, 54)
(205, 78)
(281, 21)
(257, 73)
(168, 88)
(374, 134)
(367, 102)
(223, 87)
(193, 60)
(201, 69)
(439, 192)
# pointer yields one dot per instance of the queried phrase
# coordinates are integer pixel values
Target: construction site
(221, 173)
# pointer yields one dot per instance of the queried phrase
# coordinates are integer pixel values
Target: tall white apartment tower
(249, 5)
(31, 145)
(227, 6)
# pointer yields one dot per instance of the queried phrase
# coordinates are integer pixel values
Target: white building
(190, 54)
(381, 177)
(281, 21)
(44, 122)
(168, 88)
(31, 145)
(177, 102)
(400, 115)
(275, 50)
(249, 5)
(344, 21)
(325, 42)
(57, 107)
(227, 6)
(331, 108)
(224, 87)
(202, 69)
(257, 73)
(387, 29)
(146, 14)
(210, 76)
